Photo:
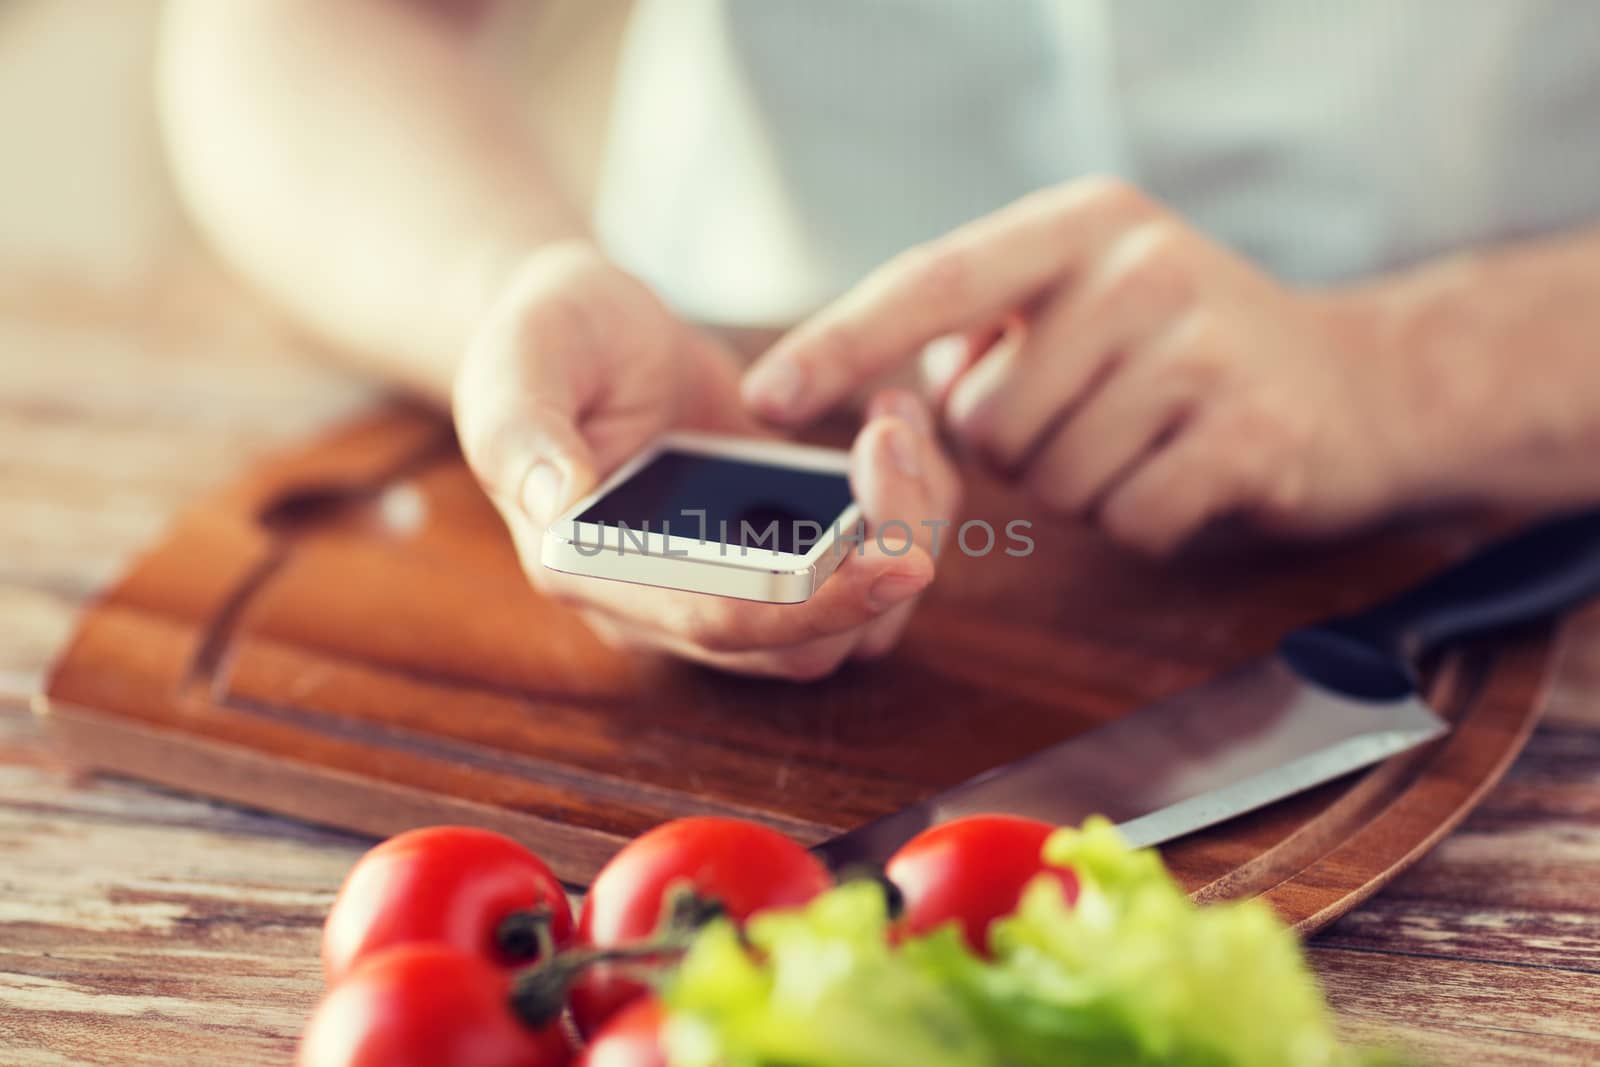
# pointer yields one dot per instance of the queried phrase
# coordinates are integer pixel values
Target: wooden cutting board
(344, 636)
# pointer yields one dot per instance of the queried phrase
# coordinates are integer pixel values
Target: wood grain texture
(344, 635)
(140, 927)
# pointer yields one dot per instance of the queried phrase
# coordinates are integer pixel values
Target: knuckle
(1151, 282)
(1101, 201)
(1258, 427)
(1218, 456)
(1158, 267)
(1051, 200)
(1227, 473)
(1197, 352)
(1124, 518)
(1202, 332)
(1197, 371)
(1164, 241)
(1257, 423)
(1112, 195)
(1144, 524)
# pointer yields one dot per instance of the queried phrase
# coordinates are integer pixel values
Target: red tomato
(451, 884)
(631, 1039)
(426, 1005)
(743, 866)
(971, 871)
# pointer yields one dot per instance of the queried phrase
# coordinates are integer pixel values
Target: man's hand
(1122, 365)
(579, 366)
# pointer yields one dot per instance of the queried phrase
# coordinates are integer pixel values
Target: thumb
(516, 416)
(900, 476)
(550, 464)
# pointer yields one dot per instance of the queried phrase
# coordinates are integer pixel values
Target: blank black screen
(675, 487)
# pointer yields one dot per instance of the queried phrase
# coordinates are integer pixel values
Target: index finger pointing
(962, 281)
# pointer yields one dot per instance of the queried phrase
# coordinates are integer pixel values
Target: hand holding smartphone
(785, 600)
(731, 516)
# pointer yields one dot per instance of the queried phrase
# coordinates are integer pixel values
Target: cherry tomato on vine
(632, 1038)
(742, 866)
(450, 884)
(426, 1005)
(971, 871)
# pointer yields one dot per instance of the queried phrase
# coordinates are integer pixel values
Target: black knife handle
(1532, 575)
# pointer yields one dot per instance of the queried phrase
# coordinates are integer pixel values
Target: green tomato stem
(526, 935)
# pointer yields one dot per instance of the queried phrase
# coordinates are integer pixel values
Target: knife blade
(1337, 696)
(1198, 758)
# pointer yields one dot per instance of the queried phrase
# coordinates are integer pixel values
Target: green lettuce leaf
(816, 986)
(1133, 974)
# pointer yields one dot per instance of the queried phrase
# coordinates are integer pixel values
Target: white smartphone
(730, 516)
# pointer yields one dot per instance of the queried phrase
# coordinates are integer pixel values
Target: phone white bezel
(693, 564)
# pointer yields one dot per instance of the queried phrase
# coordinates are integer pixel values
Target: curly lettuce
(1132, 974)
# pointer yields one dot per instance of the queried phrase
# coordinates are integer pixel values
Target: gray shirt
(764, 154)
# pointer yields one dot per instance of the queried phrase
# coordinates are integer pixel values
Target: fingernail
(541, 491)
(894, 589)
(942, 358)
(913, 411)
(905, 450)
(775, 386)
(966, 408)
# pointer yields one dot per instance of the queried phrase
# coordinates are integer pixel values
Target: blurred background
(134, 372)
(113, 326)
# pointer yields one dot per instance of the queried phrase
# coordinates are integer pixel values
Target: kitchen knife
(1337, 696)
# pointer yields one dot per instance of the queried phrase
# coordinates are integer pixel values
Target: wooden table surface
(141, 927)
